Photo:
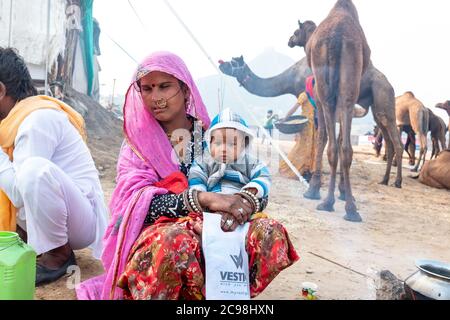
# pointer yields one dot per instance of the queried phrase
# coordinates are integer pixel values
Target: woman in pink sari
(153, 244)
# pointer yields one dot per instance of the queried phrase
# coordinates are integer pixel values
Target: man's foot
(53, 265)
(22, 234)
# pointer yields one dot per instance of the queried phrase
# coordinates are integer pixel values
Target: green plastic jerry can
(17, 268)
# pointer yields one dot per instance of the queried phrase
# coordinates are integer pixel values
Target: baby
(227, 167)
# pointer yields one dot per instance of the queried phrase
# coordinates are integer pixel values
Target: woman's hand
(234, 205)
(228, 222)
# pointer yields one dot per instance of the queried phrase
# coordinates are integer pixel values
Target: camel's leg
(378, 145)
(341, 186)
(434, 148)
(423, 151)
(313, 191)
(448, 137)
(350, 71)
(346, 156)
(383, 110)
(412, 148)
(399, 133)
(332, 152)
(342, 196)
(381, 120)
(397, 149)
(407, 147)
(442, 141)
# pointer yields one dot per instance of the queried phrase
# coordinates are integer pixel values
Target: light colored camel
(436, 173)
(410, 111)
(338, 54)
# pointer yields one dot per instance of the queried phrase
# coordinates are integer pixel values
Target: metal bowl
(292, 128)
(432, 279)
(434, 268)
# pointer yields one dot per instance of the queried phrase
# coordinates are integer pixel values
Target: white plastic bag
(226, 260)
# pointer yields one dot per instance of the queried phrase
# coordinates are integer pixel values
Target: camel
(436, 127)
(436, 173)
(446, 106)
(376, 92)
(410, 146)
(410, 111)
(438, 131)
(338, 55)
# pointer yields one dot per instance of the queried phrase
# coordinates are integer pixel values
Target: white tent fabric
(29, 29)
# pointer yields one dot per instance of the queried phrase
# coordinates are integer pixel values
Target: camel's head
(233, 68)
(445, 106)
(302, 34)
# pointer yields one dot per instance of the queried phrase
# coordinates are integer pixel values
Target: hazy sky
(409, 38)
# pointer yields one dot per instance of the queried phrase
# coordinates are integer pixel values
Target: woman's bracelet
(254, 199)
(186, 201)
(197, 202)
(249, 199)
(190, 198)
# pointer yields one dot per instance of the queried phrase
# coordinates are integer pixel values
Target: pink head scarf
(146, 158)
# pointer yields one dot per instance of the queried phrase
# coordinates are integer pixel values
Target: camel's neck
(290, 81)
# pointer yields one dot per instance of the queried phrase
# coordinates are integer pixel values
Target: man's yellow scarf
(8, 132)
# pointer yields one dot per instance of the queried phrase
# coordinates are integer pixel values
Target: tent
(58, 40)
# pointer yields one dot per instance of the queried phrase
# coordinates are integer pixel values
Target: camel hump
(348, 6)
(410, 94)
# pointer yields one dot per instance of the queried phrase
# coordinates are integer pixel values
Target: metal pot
(292, 128)
(432, 280)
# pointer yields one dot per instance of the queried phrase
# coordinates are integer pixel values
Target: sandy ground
(400, 226)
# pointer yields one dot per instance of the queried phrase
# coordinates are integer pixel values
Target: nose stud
(161, 103)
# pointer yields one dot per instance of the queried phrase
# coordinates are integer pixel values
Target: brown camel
(410, 146)
(338, 54)
(375, 91)
(438, 131)
(446, 106)
(411, 112)
(378, 143)
(436, 173)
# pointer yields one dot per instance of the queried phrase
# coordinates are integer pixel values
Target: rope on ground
(342, 266)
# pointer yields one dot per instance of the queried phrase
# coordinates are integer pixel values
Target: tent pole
(47, 48)
(10, 22)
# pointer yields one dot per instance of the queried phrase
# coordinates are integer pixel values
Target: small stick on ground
(340, 265)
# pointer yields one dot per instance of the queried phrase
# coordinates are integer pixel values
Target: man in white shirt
(49, 176)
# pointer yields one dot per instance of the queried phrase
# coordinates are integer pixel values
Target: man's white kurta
(54, 183)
